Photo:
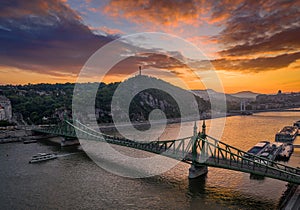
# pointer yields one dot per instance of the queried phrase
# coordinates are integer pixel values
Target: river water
(73, 181)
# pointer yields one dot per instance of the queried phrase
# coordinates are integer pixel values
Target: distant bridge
(276, 110)
(199, 150)
(265, 110)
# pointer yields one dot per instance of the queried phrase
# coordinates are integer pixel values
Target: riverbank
(16, 134)
(12, 135)
(169, 121)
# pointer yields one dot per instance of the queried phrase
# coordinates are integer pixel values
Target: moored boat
(42, 157)
(272, 150)
(29, 141)
(246, 113)
(286, 152)
(297, 123)
(258, 148)
(287, 134)
(266, 150)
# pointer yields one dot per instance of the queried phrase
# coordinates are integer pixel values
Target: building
(5, 109)
(278, 101)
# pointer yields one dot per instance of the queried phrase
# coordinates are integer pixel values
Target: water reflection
(197, 186)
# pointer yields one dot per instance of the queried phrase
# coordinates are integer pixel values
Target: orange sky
(253, 45)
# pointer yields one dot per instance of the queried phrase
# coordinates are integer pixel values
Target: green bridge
(199, 150)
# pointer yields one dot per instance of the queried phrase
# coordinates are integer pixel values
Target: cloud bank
(45, 36)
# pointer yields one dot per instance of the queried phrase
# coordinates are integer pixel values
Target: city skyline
(253, 45)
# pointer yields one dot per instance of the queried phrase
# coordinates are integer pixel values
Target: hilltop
(245, 94)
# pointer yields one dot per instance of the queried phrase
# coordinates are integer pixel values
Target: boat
(297, 123)
(258, 148)
(29, 141)
(286, 152)
(266, 150)
(246, 113)
(287, 134)
(42, 157)
(271, 151)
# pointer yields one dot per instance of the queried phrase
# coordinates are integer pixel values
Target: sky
(253, 45)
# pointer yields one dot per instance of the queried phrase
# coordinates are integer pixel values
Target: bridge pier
(196, 171)
(69, 142)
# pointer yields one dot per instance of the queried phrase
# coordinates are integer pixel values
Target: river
(73, 181)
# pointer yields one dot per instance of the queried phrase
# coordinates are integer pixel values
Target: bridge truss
(199, 150)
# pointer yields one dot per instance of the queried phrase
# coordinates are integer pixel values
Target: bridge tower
(195, 133)
(196, 169)
(243, 106)
(203, 134)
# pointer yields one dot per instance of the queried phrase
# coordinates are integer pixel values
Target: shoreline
(169, 121)
(178, 120)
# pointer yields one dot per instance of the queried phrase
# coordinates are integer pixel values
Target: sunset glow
(253, 45)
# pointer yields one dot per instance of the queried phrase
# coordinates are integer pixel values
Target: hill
(232, 101)
(245, 94)
(205, 94)
(49, 103)
(143, 94)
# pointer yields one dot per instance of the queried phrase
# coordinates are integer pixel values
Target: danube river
(73, 181)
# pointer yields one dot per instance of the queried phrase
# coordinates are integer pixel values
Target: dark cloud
(262, 26)
(161, 61)
(257, 64)
(156, 12)
(285, 41)
(252, 28)
(258, 35)
(147, 60)
(19, 9)
(45, 36)
(49, 37)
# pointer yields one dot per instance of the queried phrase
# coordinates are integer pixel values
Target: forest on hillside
(47, 103)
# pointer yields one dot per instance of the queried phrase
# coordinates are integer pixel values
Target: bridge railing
(61, 129)
(219, 151)
(177, 149)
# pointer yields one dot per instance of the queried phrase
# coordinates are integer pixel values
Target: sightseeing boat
(272, 150)
(275, 151)
(29, 141)
(287, 134)
(42, 157)
(258, 148)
